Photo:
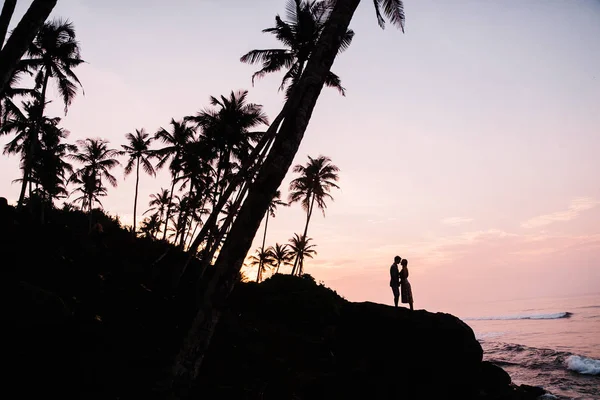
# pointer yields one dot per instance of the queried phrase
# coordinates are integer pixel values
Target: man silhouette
(395, 279)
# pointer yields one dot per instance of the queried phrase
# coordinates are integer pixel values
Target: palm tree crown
(299, 33)
(314, 184)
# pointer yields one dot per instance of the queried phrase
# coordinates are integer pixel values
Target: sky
(468, 145)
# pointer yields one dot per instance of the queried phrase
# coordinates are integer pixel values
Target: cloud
(576, 207)
(455, 221)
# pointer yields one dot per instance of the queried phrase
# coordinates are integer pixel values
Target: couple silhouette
(399, 282)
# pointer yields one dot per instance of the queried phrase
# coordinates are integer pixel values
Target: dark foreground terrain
(97, 318)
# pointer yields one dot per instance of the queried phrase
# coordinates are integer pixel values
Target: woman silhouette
(405, 290)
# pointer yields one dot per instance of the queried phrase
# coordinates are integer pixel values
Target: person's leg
(396, 295)
(411, 305)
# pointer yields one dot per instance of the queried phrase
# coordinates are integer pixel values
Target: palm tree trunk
(7, 12)
(278, 264)
(169, 208)
(262, 249)
(21, 37)
(90, 208)
(137, 182)
(299, 256)
(302, 102)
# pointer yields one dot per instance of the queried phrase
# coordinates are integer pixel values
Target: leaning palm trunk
(21, 37)
(301, 105)
(7, 12)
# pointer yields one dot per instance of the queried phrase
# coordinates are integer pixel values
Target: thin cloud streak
(576, 207)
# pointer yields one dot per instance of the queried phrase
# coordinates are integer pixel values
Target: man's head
(397, 259)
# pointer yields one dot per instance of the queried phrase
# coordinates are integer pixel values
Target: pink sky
(468, 145)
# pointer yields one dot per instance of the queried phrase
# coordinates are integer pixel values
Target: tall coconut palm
(90, 189)
(299, 34)
(271, 212)
(228, 127)
(263, 261)
(150, 226)
(175, 140)
(300, 248)
(97, 161)
(298, 111)
(53, 54)
(159, 202)
(282, 255)
(139, 153)
(313, 186)
(21, 37)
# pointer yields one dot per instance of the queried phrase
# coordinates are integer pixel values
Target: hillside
(98, 319)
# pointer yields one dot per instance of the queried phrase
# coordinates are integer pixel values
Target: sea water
(553, 342)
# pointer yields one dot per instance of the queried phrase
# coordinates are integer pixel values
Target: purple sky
(468, 145)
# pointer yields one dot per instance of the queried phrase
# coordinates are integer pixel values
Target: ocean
(553, 343)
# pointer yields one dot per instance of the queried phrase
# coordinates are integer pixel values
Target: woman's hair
(404, 262)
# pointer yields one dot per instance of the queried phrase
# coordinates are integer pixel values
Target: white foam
(583, 365)
(487, 335)
(547, 396)
(558, 315)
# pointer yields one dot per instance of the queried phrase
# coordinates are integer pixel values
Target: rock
(493, 378)
(530, 392)
(317, 345)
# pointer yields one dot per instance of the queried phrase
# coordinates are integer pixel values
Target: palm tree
(176, 141)
(300, 248)
(7, 105)
(263, 260)
(316, 180)
(21, 37)
(299, 34)
(150, 226)
(298, 110)
(90, 188)
(139, 152)
(159, 202)
(281, 254)
(228, 129)
(271, 212)
(97, 160)
(53, 53)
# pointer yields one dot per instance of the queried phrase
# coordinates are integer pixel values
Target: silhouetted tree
(300, 248)
(263, 261)
(97, 160)
(282, 255)
(159, 202)
(139, 153)
(299, 33)
(53, 54)
(175, 140)
(316, 180)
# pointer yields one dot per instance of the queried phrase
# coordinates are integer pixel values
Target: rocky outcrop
(290, 338)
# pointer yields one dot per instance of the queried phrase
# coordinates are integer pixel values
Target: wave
(583, 365)
(558, 315)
